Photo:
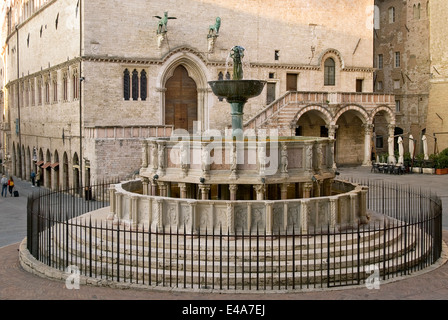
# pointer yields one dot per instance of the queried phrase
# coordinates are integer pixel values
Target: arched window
(126, 83)
(33, 94)
(75, 85)
(47, 92)
(417, 10)
(391, 15)
(134, 85)
(55, 91)
(65, 87)
(329, 70)
(143, 85)
(39, 92)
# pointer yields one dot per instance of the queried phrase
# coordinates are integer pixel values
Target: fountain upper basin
(237, 90)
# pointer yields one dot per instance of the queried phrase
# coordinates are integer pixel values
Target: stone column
(183, 190)
(317, 190)
(363, 205)
(249, 216)
(159, 214)
(309, 158)
(233, 189)
(367, 144)
(333, 211)
(153, 157)
(269, 220)
(134, 213)
(331, 134)
(144, 154)
(154, 188)
(150, 212)
(192, 206)
(112, 206)
(327, 187)
(260, 190)
(161, 158)
(284, 191)
(332, 131)
(162, 188)
(285, 216)
(391, 158)
(284, 160)
(304, 216)
(230, 217)
(307, 186)
(205, 161)
(145, 184)
(205, 190)
(353, 198)
(203, 115)
(119, 208)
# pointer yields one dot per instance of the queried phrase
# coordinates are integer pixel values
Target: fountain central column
(236, 111)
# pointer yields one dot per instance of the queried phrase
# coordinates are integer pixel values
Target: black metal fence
(404, 235)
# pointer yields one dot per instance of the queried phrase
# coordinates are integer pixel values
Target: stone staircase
(259, 262)
(282, 112)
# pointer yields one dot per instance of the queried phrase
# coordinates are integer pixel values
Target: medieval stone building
(86, 81)
(410, 63)
(437, 120)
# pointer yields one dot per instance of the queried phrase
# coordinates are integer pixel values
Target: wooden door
(270, 93)
(181, 100)
(291, 82)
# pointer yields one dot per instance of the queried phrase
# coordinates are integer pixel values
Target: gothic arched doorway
(181, 100)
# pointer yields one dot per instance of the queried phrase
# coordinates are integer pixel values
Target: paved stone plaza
(17, 284)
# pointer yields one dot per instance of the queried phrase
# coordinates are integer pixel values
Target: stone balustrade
(345, 208)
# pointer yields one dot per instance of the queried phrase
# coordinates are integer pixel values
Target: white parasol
(425, 148)
(400, 151)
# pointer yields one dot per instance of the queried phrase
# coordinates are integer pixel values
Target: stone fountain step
(280, 256)
(133, 255)
(303, 246)
(337, 238)
(225, 275)
(279, 262)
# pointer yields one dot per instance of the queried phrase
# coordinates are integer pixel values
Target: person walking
(11, 185)
(33, 177)
(4, 183)
(38, 177)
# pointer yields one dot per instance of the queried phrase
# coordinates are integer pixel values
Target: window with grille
(329, 72)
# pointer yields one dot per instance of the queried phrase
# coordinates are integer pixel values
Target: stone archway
(351, 143)
(383, 132)
(76, 174)
(312, 121)
(66, 174)
(197, 71)
(55, 171)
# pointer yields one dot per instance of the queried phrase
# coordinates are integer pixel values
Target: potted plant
(441, 162)
(407, 161)
(418, 163)
(428, 166)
